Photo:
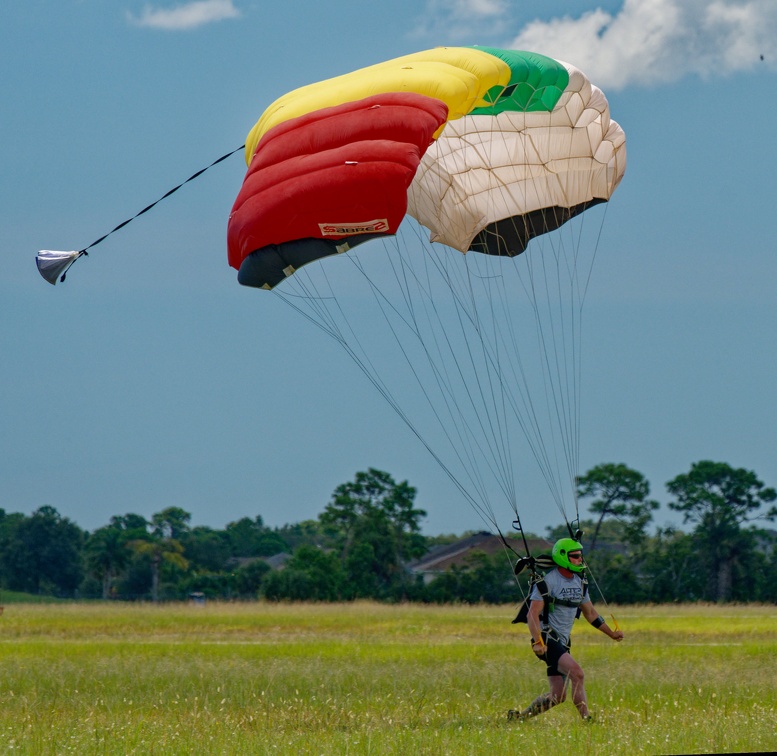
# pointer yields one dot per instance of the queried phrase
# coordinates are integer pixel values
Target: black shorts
(556, 648)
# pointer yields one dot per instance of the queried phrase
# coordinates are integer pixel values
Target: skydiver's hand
(617, 635)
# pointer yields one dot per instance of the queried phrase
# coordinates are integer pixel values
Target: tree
(206, 549)
(766, 574)
(376, 493)
(719, 499)
(9, 524)
(364, 573)
(622, 493)
(304, 533)
(249, 577)
(109, 555)
(172, 522)
(161, 546)
(247, 537)
(159, 551)
(44, 554)
(130, 523)
(378, 515)
(106, 555)
(310, 575)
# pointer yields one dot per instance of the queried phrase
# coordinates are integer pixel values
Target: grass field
(373, 679)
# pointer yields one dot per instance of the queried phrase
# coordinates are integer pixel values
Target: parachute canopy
(486, 148)
(489, 151)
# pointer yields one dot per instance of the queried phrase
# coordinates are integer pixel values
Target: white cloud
(459, 20)
(655, 41)
(187, 16)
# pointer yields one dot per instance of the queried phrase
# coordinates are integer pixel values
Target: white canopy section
(486, 168)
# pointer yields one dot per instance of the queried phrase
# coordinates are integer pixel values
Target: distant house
(440, 559)
(278, 561)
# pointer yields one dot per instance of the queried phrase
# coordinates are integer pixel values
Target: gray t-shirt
(561, 618)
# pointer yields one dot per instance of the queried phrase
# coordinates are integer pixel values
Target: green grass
(373, 679)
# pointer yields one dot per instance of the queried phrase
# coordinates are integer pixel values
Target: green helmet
(561, 550)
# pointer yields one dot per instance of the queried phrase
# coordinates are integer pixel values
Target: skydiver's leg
(556, 679)
(574, 673)
(544, 702)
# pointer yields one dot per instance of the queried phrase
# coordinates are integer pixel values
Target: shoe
(589, 718)
(515, 716)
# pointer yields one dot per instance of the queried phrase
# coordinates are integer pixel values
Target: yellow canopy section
(459, 76)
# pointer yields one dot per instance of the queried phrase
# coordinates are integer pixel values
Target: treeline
(365, 541)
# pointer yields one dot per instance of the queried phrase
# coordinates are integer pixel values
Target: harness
(538, 579)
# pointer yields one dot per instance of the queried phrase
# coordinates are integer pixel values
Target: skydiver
(550, 630)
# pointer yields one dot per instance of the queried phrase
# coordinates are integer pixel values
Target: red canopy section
(332, 174)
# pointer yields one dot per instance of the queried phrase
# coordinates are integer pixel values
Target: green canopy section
(535, 85)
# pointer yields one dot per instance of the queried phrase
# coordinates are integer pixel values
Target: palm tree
(160, 550)
(106, 555)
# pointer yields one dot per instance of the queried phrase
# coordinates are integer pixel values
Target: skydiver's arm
(597, 621)
(533, 621)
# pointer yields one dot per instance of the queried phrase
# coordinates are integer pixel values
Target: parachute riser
(575, 532)
(527, 561)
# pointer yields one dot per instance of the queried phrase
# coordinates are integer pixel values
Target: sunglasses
(575, 555)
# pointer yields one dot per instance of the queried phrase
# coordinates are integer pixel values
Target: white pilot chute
(53, 264)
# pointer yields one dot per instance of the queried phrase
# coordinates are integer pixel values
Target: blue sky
(151, 379)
